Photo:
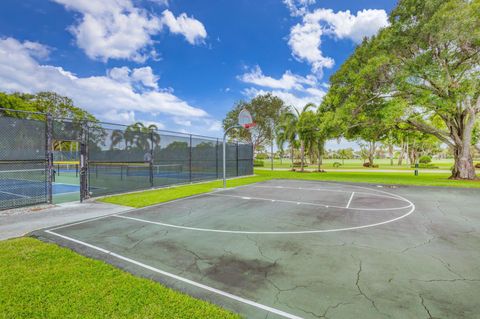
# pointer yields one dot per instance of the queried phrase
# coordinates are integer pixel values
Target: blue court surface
(11, 189)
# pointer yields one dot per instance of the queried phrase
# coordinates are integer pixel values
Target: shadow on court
(302, 249)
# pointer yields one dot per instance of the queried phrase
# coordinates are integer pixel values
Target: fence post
(84, 173)
(151, 159)
(216, 157)
(237, 158)
(190, 158)
(49, 155)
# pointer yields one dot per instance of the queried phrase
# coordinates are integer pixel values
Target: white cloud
(117, 29)
(288, 80)
(113, 29)
(192, 29)
(306, 37)
(159, 125)
(164, 3)
(298, 7)
(343, 24)
(297, 100)
(293, 89)
(145, 76)
(139, 76)
(182, 121)
(117, 96)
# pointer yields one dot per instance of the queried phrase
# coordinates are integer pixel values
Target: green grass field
(40, 280)
(443, 164)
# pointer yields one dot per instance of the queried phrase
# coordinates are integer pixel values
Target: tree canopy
(422, 71)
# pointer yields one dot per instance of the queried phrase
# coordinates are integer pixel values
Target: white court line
(182, 279)
(307, 203)
(127, 211)
(327, 190)
(350, 200)
(23, 196)
(299, 232)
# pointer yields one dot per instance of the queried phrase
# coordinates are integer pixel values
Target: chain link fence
(111, 159)
(23, 165)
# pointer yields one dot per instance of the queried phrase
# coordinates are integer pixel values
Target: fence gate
(71, 131)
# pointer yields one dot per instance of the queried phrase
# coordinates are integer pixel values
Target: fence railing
(111, 158)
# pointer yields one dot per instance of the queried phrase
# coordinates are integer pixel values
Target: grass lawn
(151, 197)
(40, 280)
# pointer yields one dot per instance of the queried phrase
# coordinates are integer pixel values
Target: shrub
(299, 164)
(337, 164)
(258, 163)
(261, 156)
(425, 159)
(367, 164)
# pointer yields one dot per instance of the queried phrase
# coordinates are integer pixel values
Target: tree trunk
(462, 152)
(302, 155)
(463, 167)
(320, 154)
(390, 151)
(400, 157)
(291, 156)
(371, 153)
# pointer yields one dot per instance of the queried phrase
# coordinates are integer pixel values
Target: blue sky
(179, 64)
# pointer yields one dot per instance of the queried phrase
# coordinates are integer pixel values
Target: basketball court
(302, 249)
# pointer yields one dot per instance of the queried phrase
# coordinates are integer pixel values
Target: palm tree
(287, 132)
(140, 135)
(116, 138)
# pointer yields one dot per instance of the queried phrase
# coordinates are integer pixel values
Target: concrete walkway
(16, 223)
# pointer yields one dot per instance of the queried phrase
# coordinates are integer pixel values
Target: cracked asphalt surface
(375, 255)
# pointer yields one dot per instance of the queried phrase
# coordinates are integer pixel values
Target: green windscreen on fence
(106, 158)
(22, 162)
(122, 159)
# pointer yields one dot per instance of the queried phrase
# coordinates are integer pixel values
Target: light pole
(225, 154)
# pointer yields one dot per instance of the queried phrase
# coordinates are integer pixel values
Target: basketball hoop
(249, 126)
(245, 119)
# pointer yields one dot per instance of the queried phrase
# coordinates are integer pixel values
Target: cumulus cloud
(117, 96)
(306, 37)
(298, 100)
(117, 29)
(192, 29)
(293, 89)
(288, 80)
(113, 29)
(298, 7)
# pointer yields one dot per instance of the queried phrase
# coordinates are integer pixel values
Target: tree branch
(441, 135)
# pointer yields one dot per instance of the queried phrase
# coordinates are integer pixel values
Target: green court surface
(302, 249)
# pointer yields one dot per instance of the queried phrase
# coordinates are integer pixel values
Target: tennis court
(302, 249)
(28, 186)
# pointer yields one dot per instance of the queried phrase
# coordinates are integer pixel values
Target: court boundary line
(320, 189)
(18, 195)
(133, 209)
(259, 233)
(179, 278)
(311, 204)
(241, 232)
(350, 200)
